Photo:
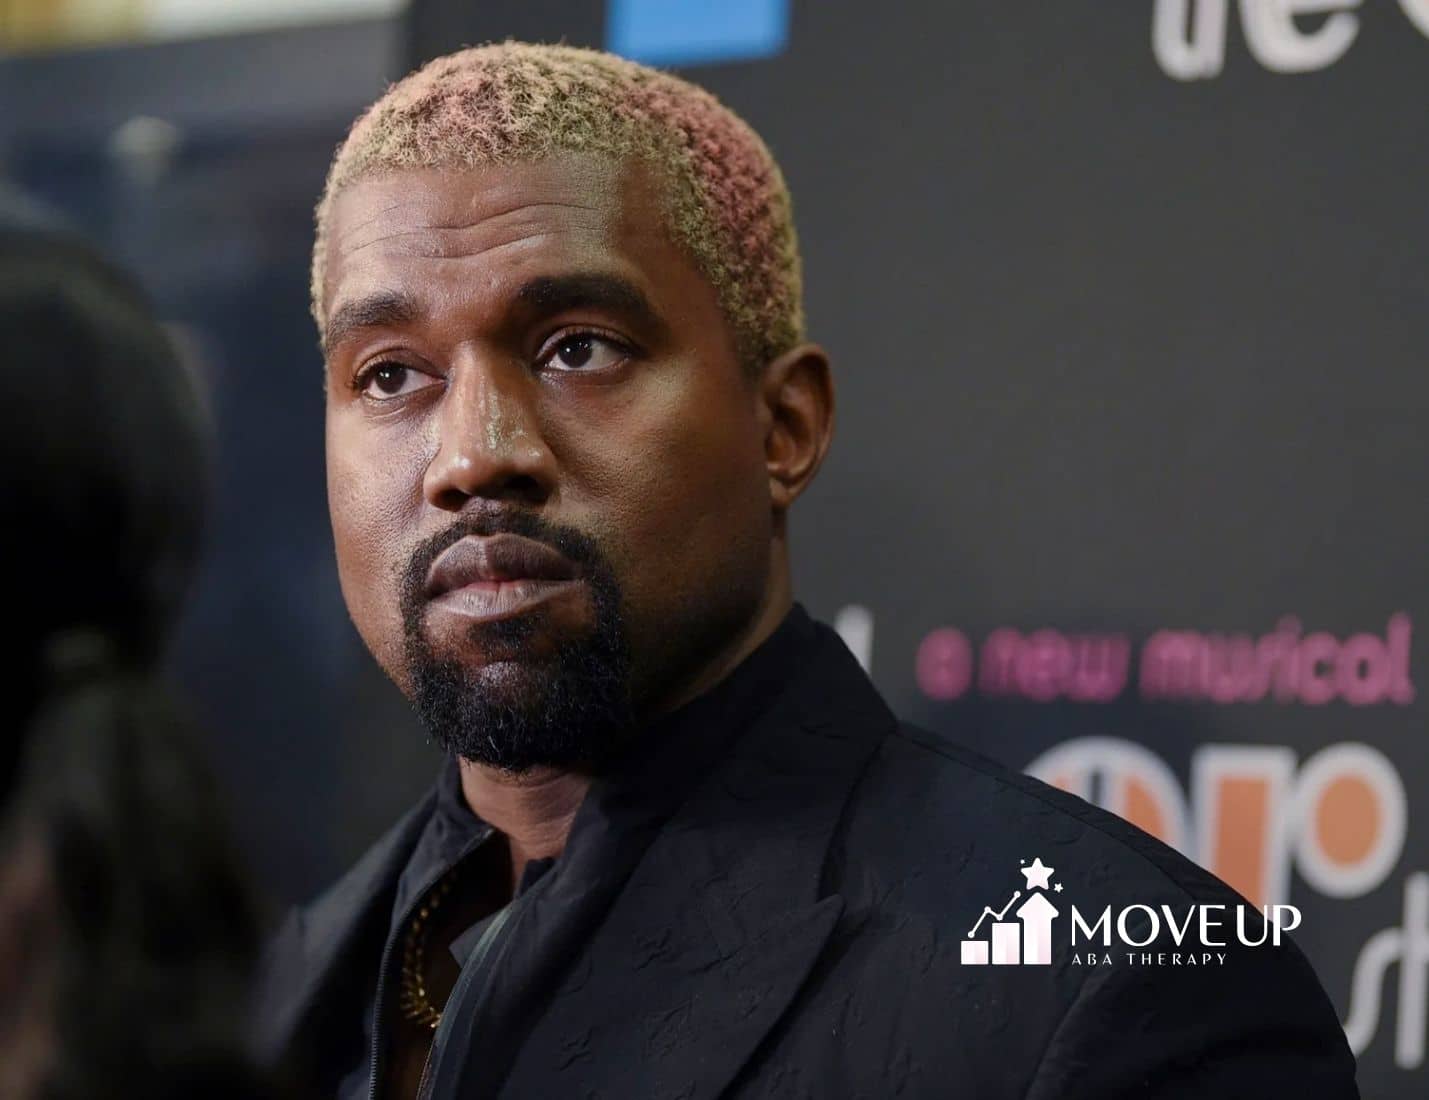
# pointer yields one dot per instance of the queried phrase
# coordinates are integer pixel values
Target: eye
(383, 381)
(584, 351)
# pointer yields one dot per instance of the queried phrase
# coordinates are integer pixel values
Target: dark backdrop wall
(1127, 303)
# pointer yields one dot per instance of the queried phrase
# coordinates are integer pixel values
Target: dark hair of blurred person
(125, 928)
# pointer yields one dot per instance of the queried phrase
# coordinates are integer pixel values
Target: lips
(492, 560)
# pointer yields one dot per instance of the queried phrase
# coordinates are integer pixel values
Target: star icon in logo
(1037, 874)
(1058, 887)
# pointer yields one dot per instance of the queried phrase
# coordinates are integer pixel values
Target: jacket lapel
(723, 919)
(331, 945)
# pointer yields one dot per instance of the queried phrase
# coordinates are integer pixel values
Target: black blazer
(795, 931)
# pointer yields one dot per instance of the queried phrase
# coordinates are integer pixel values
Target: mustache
(573, 544)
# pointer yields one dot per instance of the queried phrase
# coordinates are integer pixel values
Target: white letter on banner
(1281, 46)
(1195, 55)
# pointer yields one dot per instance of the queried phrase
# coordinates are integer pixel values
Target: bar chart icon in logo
(1024, 940)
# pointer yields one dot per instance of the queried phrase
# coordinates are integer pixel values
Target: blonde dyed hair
(726, 202)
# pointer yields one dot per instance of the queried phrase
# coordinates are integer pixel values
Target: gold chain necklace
(416, 1002)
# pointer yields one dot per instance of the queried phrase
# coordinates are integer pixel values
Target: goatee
(569, 708)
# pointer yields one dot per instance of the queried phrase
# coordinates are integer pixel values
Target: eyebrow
(556, 294)
(542, 296)
(384, 309)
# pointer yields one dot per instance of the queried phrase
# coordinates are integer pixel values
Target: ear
(796, 392)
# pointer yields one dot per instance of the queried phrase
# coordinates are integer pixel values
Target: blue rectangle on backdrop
(685, 32)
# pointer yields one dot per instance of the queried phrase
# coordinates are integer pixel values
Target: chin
(501, 647)
(519, 714)
(545, 688)
(515, 684)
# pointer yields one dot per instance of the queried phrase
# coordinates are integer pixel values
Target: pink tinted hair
(726, 201)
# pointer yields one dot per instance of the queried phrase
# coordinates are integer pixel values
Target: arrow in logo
(995, 914)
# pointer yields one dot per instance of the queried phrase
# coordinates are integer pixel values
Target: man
(681, 848)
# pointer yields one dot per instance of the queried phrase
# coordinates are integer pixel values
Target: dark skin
(530, 337)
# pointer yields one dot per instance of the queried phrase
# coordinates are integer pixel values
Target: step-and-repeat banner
(1129, 306)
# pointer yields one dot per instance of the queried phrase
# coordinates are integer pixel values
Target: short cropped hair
(726, 205)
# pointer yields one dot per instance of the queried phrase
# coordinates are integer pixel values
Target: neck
(774, 604)
(533, 810)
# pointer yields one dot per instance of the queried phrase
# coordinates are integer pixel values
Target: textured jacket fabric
(793, 927)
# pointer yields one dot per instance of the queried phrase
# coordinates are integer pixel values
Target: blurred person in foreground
(679, 846)
(125, 929)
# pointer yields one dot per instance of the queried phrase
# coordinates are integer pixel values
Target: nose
(490, 443)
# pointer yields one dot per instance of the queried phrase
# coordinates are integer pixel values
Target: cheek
(374, 497)
(675, 475)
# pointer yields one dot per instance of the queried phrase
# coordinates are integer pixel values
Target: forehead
(439, 230)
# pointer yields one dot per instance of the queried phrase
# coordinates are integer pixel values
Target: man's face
(545, 461)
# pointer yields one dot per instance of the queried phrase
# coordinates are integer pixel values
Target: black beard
(568, 711)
